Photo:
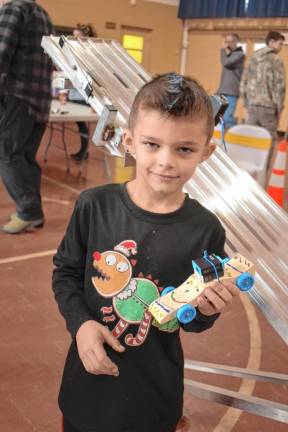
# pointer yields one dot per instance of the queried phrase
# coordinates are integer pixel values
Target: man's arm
(277, 85)
(231, 59)
(243, 88)
(11, 24)
(68, 275)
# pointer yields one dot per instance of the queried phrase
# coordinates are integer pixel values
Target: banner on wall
(232, 8)
(211, 9)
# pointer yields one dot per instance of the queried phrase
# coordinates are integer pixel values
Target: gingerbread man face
(113, 272)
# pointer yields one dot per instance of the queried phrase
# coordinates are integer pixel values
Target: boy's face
(167, 150)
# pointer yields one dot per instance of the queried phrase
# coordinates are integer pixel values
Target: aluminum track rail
(255, 226)
(257, 375)
(255, 405)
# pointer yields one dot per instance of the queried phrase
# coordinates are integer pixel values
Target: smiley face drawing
(113, 272)
(131, 297)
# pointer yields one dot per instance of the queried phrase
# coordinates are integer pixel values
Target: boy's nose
(165, 159)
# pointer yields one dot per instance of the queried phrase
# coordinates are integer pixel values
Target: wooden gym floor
(34, 341)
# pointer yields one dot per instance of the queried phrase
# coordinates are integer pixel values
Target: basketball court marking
(232, 415)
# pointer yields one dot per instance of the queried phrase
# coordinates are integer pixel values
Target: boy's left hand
(216, 297)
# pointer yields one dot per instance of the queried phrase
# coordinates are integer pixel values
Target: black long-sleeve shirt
(114, 260)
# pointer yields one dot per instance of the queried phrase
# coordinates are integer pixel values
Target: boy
(124, 243)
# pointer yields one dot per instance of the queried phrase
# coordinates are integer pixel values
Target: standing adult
(232, 60)
(263, 86)
(25, 95)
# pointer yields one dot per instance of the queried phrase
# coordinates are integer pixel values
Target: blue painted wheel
(245, 281)
(186, 314)
(167, 290)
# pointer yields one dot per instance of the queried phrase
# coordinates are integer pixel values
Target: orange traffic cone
(276, 184)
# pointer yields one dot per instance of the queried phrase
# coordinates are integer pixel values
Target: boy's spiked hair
(176, 96)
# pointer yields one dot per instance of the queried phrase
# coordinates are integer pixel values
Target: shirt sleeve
(202, 322)
(11, 24)
(243, 87)
(278, 84)
(231, 60)
(69, 271)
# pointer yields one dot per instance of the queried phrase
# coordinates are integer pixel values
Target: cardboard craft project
(182, 301)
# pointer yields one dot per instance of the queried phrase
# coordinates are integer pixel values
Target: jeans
(229, 119)
(20, 137)
(268, 118)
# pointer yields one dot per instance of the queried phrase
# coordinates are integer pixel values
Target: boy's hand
(215, 298)
(90, 339)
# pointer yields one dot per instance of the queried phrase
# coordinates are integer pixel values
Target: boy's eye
(186, 150)
(151, 145)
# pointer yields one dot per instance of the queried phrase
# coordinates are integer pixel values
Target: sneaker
(18, 225)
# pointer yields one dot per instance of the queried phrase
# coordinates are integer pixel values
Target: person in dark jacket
(25, 96)
(232, 60)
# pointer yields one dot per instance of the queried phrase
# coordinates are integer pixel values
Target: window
(259, 45)
(244, 46)
(134, 45)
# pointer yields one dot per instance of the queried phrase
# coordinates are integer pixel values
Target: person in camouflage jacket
(263, 86)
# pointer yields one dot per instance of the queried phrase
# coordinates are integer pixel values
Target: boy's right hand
(90, 339)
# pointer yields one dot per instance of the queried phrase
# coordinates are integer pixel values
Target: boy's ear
(128, 142)
(208, 150)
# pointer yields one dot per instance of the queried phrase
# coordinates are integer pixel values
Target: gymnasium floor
(34, 341)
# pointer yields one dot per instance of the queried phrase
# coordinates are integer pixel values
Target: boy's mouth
(165, 176)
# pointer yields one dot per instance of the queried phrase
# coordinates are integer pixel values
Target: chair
(249, 146)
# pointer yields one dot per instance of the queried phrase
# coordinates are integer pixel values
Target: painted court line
(230, 418)
(27, 257)
(63, 185)
(56, 201)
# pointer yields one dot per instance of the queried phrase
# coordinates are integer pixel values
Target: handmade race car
(182, 301)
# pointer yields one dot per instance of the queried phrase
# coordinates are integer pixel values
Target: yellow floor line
(232, 415)
(63, 185)
(56, 201)
(27, 257)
